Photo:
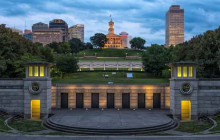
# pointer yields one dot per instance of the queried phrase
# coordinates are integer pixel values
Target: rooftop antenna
(25, 25)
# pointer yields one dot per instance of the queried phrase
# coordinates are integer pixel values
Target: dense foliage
(99, 40)
(137, 43)
(202, 49)
(155, 58)
(15, 50)
(66, 64)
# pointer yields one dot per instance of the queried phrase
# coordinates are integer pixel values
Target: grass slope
(120, 77)
(27, 125)
(193, 126)
(110, 52)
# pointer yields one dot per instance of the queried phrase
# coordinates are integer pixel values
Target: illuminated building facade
(28, 35)
(125, 40)
(114, 41)
(186, 96)
(39, 25)
(76, 31)
(174, 26)
(62, 25)
(47, 36)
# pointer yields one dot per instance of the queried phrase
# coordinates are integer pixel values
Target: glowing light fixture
(179, 72)
(190, 71)
(41, 71)
(30, 71)
(36, 71)
(184, 71)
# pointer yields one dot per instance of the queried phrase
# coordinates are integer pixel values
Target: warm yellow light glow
(190, 71)
(35, 109)
(184, 71)
(35, 71)
(30, 71)
(185, 110)
(41, 71)
(179, 72)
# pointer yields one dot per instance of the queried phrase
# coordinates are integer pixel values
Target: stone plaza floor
(110, 118)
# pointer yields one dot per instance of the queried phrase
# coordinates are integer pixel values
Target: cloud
(144, 18)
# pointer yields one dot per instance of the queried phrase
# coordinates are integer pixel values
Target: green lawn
(193, 126)
(2, 125)
(27, 125)
(217, 128)
(120, 77)
(110, 52)
(109, 59)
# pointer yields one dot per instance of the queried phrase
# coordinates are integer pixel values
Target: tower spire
(111, 17)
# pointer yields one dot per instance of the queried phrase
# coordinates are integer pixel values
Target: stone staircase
(91, 131)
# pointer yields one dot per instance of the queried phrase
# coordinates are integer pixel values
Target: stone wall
(208, 96)
(12, 95)
(117, 89)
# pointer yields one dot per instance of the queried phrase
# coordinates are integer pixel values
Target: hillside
(110, 52)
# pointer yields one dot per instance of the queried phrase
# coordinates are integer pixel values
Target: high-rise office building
(76, 31)
(174, 25)
(60, 24)
(125, 40)
(39, 25)
(46, 36)
(28, 34)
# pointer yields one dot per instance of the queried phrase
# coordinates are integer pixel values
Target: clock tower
(37, 90)
(183, 90)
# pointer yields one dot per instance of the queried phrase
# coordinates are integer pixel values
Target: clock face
(186, 87)
(35, 86)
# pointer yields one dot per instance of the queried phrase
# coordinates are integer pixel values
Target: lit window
(184, 71)
(190, 71)
(179, 72)
(41, 71)
(30, 71)
(36, 71)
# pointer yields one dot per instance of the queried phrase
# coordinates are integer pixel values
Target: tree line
(203, 49)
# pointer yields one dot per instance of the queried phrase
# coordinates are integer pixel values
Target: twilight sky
(142, 18)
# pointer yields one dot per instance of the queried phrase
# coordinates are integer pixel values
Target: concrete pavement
(23, 137)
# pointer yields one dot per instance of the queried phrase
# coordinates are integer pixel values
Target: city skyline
(145, 19)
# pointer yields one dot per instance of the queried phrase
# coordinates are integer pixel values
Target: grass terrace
(110, 52)
(27, 125)
(193, 126)
(118, 78)
(110, 59)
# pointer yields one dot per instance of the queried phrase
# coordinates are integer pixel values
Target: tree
(137, 43)
(66, 64)
(99, 40)
(155, 58)
(204, 50)
(88, 45)
(76, 45)
(14, 51)
(60, 48)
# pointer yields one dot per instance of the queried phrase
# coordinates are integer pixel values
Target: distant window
(179, 72)
(41, 71)
(36, 71)
(184, 71)
(30, 71)
(190, 71)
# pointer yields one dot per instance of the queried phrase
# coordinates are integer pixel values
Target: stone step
(170, 125)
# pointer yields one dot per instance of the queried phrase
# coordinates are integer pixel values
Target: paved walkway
(110, 118)
(21, 137)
